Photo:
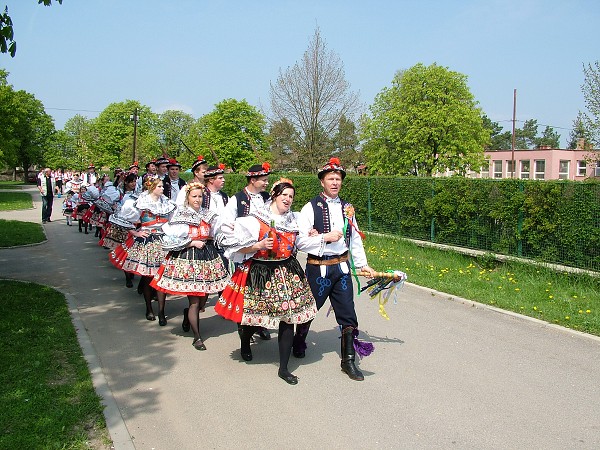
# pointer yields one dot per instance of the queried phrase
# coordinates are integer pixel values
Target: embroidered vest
(199, 232)
(321, 216)
(283, 245)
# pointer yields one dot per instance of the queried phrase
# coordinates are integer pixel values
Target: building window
(525, 169)
(497, 169)
(540, 169)
(510, 168)
(563, 169)
(581, 169)
(597, 173)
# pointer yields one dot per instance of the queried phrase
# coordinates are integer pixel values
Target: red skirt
(231, 302)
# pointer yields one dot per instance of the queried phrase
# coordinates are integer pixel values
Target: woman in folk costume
(269, 289)
(106, 206)
(88, 195)
(116, 229)
(68, 207)
(142, 252)
(193, 267)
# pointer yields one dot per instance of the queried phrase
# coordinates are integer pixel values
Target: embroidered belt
(327, 260)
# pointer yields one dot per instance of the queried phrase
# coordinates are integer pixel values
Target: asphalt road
(446, 372)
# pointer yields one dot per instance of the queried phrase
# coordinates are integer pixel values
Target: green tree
(112, 135)
(345, 143)
(314, 95)
(7, 34)
(499, 139)
(591, 95)
(426, 122)
(284, 143)
(173, 127)
(233, 133)
(526, 137)
(579, 131)
(549, 138)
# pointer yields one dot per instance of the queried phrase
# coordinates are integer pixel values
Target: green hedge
(551, 221)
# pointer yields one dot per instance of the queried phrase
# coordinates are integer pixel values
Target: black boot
(299, 347)
(245, 336)
(128, 280)
(348, 355)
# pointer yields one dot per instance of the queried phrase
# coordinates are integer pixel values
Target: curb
(114, 420)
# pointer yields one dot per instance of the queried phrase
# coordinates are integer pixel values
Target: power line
(74, 110)
(539, 124)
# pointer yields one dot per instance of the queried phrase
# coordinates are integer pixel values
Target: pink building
(544, 163)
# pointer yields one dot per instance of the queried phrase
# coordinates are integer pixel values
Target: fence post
(432, 231)
(369, 204)
(520, 224)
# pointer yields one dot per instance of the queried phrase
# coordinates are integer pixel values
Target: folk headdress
(259, 170)
(213, 171)
(282, 183)
(161, 160)
(173, 163)
(135, 165)
(151, 162)
(199, 161)
(334, 165)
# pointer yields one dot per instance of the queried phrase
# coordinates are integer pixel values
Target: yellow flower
(587, 311)
(535, 308)
(517, 289)
(551, 296)
(580, 311)
(567, 317)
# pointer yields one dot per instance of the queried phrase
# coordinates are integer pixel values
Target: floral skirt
(80, 211)
(95, 216)
(112, 236)
(142, 256)
(264, 293)
(192, 271)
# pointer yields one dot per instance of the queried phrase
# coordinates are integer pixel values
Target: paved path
(445, 374)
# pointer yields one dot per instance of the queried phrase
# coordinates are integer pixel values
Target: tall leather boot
(299, 345)
(348, 355)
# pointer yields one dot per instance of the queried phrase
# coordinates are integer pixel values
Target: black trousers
(337, 286)
(47, 201)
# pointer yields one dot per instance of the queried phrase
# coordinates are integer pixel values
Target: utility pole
(512, 164)
(135, 122)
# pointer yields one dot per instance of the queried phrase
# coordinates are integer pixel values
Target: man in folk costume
(172, 183)
(333, 254)
(198, 169)
(90, 177)
(252, 197)
(150, 170)
(161, 167)
(214, 199)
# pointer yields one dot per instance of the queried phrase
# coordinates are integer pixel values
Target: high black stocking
(148, 294)
(193, 315)
(285, 339)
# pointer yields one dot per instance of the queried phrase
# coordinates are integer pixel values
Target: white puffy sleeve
(314, 245)
(244, 232)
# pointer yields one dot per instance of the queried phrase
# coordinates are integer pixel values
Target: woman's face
(194, 198)
(131, 185)
(158, 190)
(284, 200)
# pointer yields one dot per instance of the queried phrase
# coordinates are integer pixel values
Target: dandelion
(587, 311)
(580, 311)
(567, 317)
(535, 308)
(551, 296)
(574, 296)
(517, 289)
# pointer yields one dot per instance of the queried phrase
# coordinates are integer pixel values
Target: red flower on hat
(172, 161)
(222, 166)
(335, 161)
(200, 157)
(266, 166)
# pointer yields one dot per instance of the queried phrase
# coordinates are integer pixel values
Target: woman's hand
(197, 244)
(141, 233)
(265, 244)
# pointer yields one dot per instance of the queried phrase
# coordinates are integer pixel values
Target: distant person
(173, 184)
(46, 187)
(198, 169)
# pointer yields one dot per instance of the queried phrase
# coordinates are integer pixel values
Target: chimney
(580, 144)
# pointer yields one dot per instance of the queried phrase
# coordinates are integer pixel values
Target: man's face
(134, 170)
(217, 182)
(151, 169)
(332, 183)
(200, 171)
(259, 184)
(162, 169)
(173, 172)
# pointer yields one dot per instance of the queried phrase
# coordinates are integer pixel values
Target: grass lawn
(570, 300)
(48, 400)
(11, 184)
(15, 200)
(14, 232)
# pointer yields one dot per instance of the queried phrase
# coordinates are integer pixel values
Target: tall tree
(233, 133)
(549, 138)
(591, 95)
(7, 33)
(499, 139)
(345, 143)
(426, 122)
(114, 132)
(579, 132)
(284, 141)
(173, 128)
(313, 95)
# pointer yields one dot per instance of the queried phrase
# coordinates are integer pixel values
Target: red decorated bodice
(283, 246)
(199, 232)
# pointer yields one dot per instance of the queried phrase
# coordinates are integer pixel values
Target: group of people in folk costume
(181, 239)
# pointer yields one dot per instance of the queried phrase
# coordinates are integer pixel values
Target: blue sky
(80, 56)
